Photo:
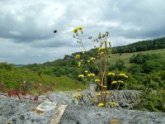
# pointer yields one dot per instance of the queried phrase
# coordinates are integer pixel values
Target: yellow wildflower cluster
(97, 80)
(101, 49)
(88, 61)
(123, 75)
(81, 76)
(92, 58)
(106, 92)
(77, 56)
(114, 82)
(101, 104)
(78, 96)
(86, 71)
(97, 94)
(101, 53)
(113, 104)
(120, 82)
(77, 29)
(79, 64)
(91, 75)
(111, 74)
(103, 86)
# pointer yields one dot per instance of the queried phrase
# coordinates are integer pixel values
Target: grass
(126, 56)
(12, 79)
(65, 84)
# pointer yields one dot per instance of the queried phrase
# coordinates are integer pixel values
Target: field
(126, 56)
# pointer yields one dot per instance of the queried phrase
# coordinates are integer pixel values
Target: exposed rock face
(81, 111)
(94, 115)
(21, 112)
(124, 99)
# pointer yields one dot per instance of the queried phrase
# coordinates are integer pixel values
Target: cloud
(26, 27)
(140, 19)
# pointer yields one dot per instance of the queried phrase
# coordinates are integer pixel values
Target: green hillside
(145, 45)
(118, 62)
(12, 77)
(126, 56)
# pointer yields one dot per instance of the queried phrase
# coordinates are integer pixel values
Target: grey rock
(123, 104)
(78, 112)
(3, 120)
(94, 115)
(27, 122)
(92, 88)
(22, 117)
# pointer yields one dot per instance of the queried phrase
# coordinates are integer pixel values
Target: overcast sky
(26, 26)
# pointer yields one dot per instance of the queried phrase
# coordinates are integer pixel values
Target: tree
(120, 65)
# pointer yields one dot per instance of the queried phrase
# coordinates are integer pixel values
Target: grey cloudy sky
(26, 26)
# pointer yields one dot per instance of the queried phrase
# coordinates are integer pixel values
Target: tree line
(141, 46)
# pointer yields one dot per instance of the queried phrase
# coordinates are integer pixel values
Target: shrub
(142, 58)
(135, 69)
(151, 66)
(120, 65)
(152, 100)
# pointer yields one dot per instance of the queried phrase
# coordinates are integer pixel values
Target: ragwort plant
(100, 75)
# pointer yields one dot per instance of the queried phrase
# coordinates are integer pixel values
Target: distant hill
(141, 46)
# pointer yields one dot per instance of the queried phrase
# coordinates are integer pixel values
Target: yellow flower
(97, 80)
(111, 74)
(77, 29)
(77, 56)
(113, 104)
(97, 94)
(107, 92)
(77, 96)
(86, 71)
(101, 53)
(114, 82)
(92, 58)
(101, 104)
(123, 75)
(91, 75)
(103, 86)
(120, 81)
(81, 76)
(101, 49)
(79, 64)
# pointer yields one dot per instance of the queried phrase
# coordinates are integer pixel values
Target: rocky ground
(94, 115)
(78, 111)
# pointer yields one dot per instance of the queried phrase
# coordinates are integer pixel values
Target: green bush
(152, 100)
(151, 66)
(142, 58)
(135, 69)
(120, 65)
